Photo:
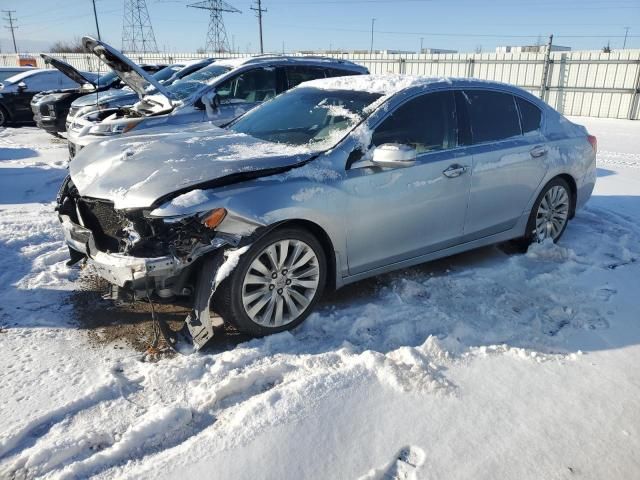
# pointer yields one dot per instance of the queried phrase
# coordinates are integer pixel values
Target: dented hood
(67, 69)
(129, 72)
(134, 171)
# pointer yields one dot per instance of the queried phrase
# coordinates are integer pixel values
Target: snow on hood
(382, 84)
(134, 171)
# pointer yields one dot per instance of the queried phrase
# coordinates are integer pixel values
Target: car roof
(391, 84)
(269, 59)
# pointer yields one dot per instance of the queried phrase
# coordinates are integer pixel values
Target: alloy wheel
(552, 214)
(280, 283)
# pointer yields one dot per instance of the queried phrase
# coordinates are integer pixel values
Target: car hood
(135, 171)
(129, 72)
(67, 69)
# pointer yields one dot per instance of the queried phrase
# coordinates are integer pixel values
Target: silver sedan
(335, 181)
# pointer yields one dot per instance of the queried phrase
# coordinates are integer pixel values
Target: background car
(50, 108)
(17, 91)
(6, 72)
(126, 97)
(218, 93)
(329, 183)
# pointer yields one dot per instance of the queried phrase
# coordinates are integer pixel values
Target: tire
(239, 296)
(4, 117)
(550, 222)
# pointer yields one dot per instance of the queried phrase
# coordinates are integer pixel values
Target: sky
(463, 25)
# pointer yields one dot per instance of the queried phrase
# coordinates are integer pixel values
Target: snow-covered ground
(487, 365)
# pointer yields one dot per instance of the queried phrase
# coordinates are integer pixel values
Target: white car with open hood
(218, 93)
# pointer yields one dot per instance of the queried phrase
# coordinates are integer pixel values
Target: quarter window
(493, 115)
(426, 123)
(256, 85)
(530, 116)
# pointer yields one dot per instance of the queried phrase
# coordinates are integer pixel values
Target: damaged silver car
(332, 182)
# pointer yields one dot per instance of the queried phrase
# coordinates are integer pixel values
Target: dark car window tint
(297, 75)
(427, 123)
(257, 85)
(336, 72)
(530, 116)
(493, 115)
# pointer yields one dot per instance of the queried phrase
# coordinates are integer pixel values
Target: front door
(398, 214)
(241, 93)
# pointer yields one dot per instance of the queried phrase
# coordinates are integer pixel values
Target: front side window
(307, 116)
(493, 115)
(530, 116)
(297, 75)
(257, 85)
(426, 123)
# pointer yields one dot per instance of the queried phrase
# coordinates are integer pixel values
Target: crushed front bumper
(116, 268)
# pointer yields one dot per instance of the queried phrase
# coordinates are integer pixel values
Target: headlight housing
(106, 129)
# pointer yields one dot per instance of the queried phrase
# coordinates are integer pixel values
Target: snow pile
(382, 84)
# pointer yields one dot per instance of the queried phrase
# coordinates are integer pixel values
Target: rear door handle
(537, 152)
(455, 170)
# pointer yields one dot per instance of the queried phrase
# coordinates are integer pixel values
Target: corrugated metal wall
(592, 84)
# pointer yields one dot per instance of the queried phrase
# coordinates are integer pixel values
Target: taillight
(594, 143)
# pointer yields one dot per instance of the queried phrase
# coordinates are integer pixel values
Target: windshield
(166, 73)
(184, 87)
(107, 79)
(307, 116)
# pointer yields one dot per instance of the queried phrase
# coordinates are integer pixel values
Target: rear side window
(493, 115)
(257, 85)
(530, 116)
(297, 75)
(336, 72)
(426, 123)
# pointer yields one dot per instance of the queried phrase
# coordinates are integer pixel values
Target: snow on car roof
(382, 84)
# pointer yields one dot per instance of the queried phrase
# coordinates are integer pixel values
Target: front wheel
(4, 118)
(550, 213)
(276, 283)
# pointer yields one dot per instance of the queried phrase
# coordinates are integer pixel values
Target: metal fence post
(403, 66)
(544, 86)
(635, 99)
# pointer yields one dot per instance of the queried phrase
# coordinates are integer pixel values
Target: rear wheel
(276, 283)
(550, 213)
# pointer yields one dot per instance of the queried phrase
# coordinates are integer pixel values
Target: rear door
(508, 165)
(395, 214)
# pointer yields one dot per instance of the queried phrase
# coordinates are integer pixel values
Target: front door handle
(537, 152)
(455, 170)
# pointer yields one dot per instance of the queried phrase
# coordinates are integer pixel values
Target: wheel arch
(574, 190)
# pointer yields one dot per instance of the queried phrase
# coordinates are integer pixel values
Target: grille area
(106, 224)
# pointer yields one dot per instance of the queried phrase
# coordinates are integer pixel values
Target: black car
(16, 92)
(50, 108)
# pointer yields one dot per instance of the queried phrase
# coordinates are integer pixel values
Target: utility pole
(10, 18)
(95, 15)
(626, 33)
(259, 10)
(421, 44)
(373, 21)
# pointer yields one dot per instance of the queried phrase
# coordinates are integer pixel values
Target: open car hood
(67, 69)
(135, 171)
(130, 73)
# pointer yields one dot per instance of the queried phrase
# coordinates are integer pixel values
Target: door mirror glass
(394, 155)
(22, 86)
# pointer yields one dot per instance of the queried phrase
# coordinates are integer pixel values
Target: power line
(10, 18)
(259, 10)
(217, 40)
(137, 32)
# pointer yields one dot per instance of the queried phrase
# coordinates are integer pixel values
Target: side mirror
(394, 155)
(210, 100)
(22, 86)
